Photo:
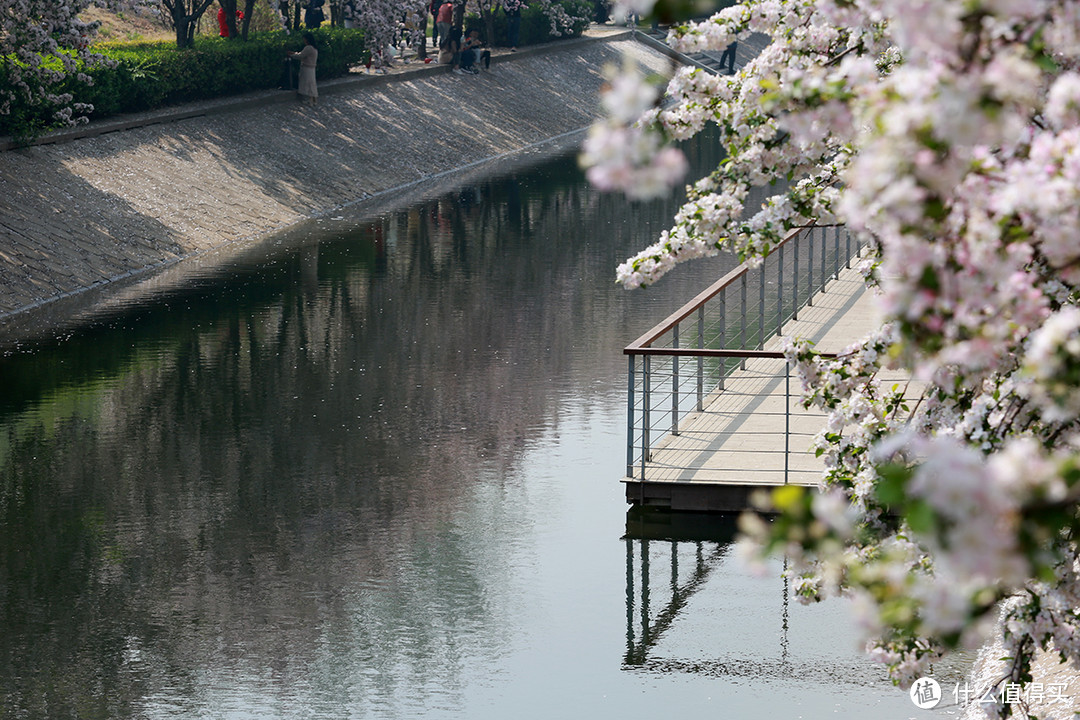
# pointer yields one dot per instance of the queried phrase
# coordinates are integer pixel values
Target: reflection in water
(681, 590)
(266, 491)
(370, 476)
(662, 578)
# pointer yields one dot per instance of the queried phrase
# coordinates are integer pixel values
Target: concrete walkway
(740, 437)
(132, 195)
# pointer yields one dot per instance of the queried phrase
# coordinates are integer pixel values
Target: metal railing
(688, 362)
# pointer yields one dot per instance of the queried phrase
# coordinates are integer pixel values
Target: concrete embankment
(85, 213)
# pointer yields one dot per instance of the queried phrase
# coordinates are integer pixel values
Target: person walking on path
(308, 57)
(729, 57)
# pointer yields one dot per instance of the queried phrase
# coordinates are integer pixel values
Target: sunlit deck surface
(737, 444)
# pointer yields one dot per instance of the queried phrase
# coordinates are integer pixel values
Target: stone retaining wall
(81, 214)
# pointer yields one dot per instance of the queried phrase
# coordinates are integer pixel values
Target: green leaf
(1046, 64)
(892, 479)
(920, 517)
(788, 498)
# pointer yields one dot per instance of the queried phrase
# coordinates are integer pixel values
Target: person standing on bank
(313, 16)
(434, 6)
(307, 89)
(512, 8)
(223, 23)
(442, 22)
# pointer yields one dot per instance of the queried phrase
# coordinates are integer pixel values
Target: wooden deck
(739, 443)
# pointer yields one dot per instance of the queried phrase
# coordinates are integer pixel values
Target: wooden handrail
(713, 352)
(665, 325)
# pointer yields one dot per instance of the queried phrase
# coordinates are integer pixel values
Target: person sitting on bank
(450, 48)
(471, 54)
(307, 89)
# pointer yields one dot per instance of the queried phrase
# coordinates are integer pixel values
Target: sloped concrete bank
(87, 213)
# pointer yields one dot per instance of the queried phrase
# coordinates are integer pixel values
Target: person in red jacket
(223, 24)
(443, 19)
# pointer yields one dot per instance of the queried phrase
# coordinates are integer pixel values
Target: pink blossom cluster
(947, 136)
(41, 43)
(627, 153)
(381, 21)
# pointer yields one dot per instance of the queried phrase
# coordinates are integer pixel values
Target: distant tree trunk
(249, 10)
(181, 26)
(489, 26)
(229, 6)
(421, 47)
(185, 16)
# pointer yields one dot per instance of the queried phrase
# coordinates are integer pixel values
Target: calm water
(375, 474)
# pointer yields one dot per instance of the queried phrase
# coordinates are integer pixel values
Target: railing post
(646, 381)
(630, 419)
(701, 346)
(836, 256)
(742, 333)
(761, 314)
(810, 272)
(787, 419)
(723, 336)
(847, 243)
(795, 280)
(824, 258)
(675, 382)
(779, 295)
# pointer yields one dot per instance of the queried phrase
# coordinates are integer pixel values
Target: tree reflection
(266, 475)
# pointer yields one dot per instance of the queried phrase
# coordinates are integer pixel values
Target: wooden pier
(755, 433)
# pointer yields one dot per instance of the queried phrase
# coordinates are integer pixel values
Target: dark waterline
(376, 475)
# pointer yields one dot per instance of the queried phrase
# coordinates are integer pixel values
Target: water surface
(375, 474)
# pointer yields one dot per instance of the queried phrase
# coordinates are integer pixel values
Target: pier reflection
(691, 608)
(698, 540)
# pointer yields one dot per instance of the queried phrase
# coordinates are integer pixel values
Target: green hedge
(150, 75)
(535, 26)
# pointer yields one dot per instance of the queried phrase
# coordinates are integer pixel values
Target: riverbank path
(121, 199)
